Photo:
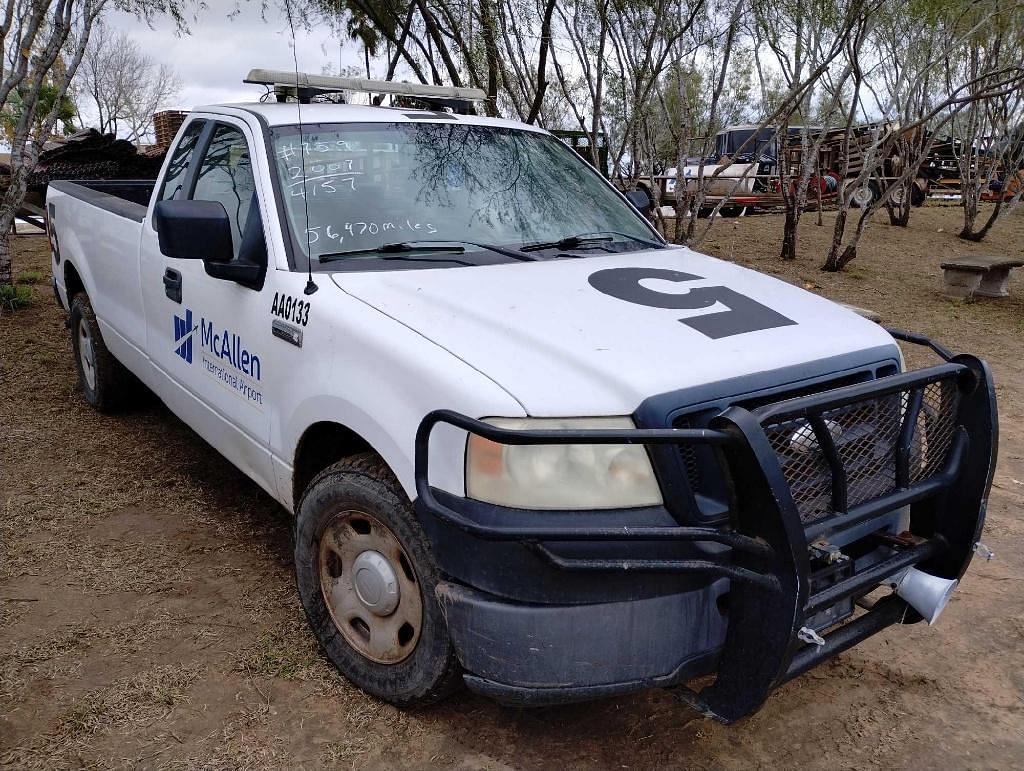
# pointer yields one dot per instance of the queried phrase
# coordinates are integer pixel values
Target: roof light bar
(281, 79)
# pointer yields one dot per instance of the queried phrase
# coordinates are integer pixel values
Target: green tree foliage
(49, 95)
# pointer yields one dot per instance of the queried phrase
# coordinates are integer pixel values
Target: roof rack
(303, 86)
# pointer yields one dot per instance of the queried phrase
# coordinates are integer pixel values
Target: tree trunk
(817, 188)
(682, 196)
(969, 234)
(899, 213)
(788, 192)
(542, 63)
(14, 194)
(834, 264)
(789, 233)
(836, 261)
(6, 265)
(832, 260)
(487, 31)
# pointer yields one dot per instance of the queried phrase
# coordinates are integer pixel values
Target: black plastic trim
(86, 191)
(275, 186)
(525, 696)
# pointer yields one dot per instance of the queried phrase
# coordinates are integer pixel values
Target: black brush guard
(768, 556)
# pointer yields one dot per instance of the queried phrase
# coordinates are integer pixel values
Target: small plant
(14, 296)
(30, 277)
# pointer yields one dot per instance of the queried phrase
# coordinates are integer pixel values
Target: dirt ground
(148, 616)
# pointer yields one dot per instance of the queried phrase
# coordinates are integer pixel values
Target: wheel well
(72, 282)
(321, 445)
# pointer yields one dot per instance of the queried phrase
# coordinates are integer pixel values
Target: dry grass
(149, 617)
(128, 706)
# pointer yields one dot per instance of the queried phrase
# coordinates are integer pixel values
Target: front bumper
(532, 655)
(641, 602)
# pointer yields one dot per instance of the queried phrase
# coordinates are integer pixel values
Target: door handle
(172, 284)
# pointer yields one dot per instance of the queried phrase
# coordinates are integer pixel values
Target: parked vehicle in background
(530, 447)
(582, 143)
(743, 168)
(743, 172)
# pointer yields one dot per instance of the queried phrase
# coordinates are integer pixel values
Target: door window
(178, 166)
(226, 176)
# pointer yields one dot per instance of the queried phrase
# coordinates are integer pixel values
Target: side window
(226, 176)
(176, 169)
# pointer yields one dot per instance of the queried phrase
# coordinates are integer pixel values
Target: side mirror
(194, 230)
(640, 200)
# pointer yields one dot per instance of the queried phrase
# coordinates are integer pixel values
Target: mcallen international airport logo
(222, 355)
(183, 330)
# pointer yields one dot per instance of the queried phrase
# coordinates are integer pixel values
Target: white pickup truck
(529, 446)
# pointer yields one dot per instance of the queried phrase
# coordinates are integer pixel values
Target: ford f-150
(529, 445)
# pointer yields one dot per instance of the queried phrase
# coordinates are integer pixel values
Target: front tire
(366, 578)
(104, 380)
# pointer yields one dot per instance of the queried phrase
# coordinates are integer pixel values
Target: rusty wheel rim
(370, 588)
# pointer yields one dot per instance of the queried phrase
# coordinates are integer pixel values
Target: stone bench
(968, 277)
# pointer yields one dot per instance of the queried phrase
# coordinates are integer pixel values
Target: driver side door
(208, 337)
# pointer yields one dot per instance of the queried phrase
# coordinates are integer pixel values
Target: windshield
(369, 186)
(729, 142)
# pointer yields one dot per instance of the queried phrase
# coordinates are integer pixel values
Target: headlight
(560, 476)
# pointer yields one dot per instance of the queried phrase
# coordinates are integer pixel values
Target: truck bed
(124, 197)
(98, 225)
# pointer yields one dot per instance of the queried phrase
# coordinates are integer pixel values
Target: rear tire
(357, 510)
(106, 384)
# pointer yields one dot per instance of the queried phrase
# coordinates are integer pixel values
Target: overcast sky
(223, 47)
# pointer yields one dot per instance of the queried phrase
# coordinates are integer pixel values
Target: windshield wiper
(438, 258)
(585, 239)
(452, 246)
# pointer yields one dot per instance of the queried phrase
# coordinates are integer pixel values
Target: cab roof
(287, 114)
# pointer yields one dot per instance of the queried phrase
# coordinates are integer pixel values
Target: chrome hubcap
(86, 354)
(370, 588)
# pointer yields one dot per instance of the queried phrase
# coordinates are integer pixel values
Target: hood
(598, 335)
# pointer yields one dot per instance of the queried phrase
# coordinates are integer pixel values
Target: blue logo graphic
(183, 330)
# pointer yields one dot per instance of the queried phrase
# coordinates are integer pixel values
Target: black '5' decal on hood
(742, 315)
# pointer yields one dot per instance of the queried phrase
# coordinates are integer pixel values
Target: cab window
(225, 175)
(178, 166)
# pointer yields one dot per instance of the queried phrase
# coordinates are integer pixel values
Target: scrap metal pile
(89, 154)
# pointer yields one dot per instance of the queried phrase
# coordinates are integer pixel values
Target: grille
(688, 455)
(866, 434)
(700, 464)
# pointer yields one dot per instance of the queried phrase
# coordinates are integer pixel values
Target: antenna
(310, 286)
